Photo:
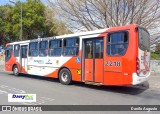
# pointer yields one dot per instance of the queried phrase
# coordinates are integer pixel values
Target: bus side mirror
(136, 29)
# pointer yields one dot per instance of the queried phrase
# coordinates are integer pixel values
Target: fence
(2, 57)
(155, 66)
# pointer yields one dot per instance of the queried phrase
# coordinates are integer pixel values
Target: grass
(155, 55)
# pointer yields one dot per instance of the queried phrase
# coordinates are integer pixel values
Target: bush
(155, 55)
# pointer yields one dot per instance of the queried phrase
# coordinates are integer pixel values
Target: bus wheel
(65, 76)
(15, 70)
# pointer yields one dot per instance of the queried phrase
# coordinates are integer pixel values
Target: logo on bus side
(78, 60)
(49, 62)
(30, 59)
(113, 63)
(78, 71)
(57, 62)
(39, 61)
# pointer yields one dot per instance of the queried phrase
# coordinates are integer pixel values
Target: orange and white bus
(111, 56)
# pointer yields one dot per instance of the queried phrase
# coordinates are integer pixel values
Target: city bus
(112, 56)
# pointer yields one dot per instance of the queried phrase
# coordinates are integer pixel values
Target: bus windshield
(8, 52)
(144, 39)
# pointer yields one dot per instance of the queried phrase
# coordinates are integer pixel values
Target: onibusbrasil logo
(21, 97)
(26, 97)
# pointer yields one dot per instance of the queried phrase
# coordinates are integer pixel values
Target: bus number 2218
(113, 63)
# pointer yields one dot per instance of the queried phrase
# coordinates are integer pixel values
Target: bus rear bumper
(139, 79)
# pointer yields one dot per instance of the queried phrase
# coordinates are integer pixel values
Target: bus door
(93, 60)
(23, 58)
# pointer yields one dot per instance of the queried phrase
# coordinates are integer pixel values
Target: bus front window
(8, 52)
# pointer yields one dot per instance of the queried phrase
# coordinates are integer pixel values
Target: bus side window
(71, 46)
(89, 50)
(33, 49)
(55, 47)
(24, 52)
(43, 48)
(117, 43)
(16, 50)
(99, 48)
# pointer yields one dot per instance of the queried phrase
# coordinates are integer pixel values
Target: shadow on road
(131, 90)
(37, 77)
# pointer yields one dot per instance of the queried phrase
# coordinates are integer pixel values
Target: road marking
(40, 100)
(1, 92)
(49, 99)
(10, 90)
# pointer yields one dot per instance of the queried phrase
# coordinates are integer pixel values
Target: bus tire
(65, 76)
(15, 70)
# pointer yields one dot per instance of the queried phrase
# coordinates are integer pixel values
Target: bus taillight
(137, 66)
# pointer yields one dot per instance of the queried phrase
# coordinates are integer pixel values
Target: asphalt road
(51, 92)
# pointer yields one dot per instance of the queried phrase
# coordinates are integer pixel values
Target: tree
(37, 20)
(97, 14)
(54, 25)
(4, 24)
(33, 19)
(157, 50)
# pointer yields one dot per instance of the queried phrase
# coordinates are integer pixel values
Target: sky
(3, 2)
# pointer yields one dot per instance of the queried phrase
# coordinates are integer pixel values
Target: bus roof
(70, 35)
(65, 36)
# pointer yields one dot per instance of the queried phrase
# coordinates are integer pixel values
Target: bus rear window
(144, 39)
